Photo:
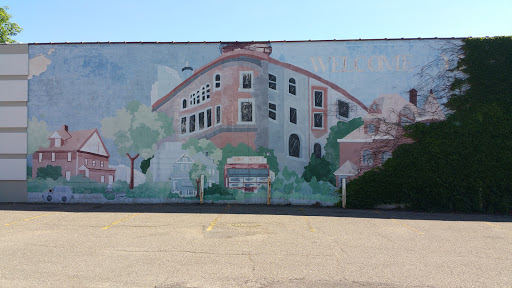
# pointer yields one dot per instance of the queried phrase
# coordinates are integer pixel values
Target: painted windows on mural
(294, 145)
(93, 163)
(292, 87)
(217, 81)
(101, 163)
(209, 118)
(102, 179)
(317, 150)
(318, 120)
(343, 109)
(217, 115)
(246, 80)
(184, 104)
(293, 115)
(272, 111)
(192, 123)
(272, 81)
(404, 121)
(385, 156)
(40, 157)
(371, 128)
(319, 98)
(183, 125)
(69, 156)
(367, 157)
(53, 156)
(201, 120)
(86, 161)
(246, 111)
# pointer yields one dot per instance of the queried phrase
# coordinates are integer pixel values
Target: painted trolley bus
(246, 173)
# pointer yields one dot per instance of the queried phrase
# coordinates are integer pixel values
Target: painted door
(110, 179)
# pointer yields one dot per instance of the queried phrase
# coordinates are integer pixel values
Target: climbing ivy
(465, 162)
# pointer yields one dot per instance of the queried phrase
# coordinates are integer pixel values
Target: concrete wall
(13, 122)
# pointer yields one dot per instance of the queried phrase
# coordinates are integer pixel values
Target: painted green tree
(49, 172)
(332, 147)
(38, 134)
(7, 28)
(318, 168)
(135, 130)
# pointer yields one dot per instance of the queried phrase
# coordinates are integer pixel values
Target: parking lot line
(216, 219)
(308, 221)
(119, 221)
(8, 224)
(408, 227)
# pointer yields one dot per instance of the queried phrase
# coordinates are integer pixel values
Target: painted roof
(389, 108)
(255, 55)
(75, 141)
(347, 169)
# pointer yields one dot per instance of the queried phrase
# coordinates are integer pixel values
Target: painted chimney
(187, 71)
(65, 128)
(413, 97)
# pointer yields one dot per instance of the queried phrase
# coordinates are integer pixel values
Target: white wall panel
(13, 143)
(13, 90)
(13, 116)
(13, 169)
(13, 64)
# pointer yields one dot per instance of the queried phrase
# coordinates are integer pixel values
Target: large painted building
(163, 114)
(246, 96)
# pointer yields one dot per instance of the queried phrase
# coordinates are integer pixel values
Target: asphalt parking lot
(44, 245)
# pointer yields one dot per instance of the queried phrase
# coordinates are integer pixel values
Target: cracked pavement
(249, 246)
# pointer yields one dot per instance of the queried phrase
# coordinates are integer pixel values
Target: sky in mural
(130, 20)
(102, 78)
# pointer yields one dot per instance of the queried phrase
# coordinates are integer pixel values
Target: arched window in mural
(294, 146)
(317, 150)
(207, 91)
(217, 81)
(292, 87)
(184, 105)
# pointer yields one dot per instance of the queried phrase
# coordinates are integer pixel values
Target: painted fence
(141, 122)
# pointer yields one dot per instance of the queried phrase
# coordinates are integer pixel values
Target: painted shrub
(142, 122)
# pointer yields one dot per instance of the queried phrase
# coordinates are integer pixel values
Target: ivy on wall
(465, 162)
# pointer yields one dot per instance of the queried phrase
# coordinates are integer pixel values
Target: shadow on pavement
(252, 209)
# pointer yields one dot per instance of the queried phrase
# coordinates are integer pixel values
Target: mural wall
(142, 122)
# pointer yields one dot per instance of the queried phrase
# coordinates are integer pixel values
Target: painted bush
(142, 122)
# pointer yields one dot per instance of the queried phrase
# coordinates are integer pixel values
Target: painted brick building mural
(141, 122)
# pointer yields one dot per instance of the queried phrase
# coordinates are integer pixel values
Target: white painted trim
(354, 140)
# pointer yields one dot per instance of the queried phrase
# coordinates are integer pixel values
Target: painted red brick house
(77, 153)
(382, 132)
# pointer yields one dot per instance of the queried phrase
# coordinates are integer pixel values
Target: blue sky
(202, 20)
